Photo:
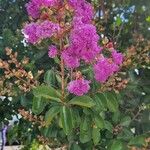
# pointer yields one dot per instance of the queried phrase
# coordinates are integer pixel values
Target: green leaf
(138, 141)
(75, 146)
(85, 136)
(148, 19)
(101, 103)
(38, 105)
(67, 119)
(51, 113)
(50, 77)
(116, 117)
(117, 145)
(47, 92)
(125, 121)
(96, 135)
(99, 122)
(108, 126)
(118, 21)
(57, 61)
(50, 131)
(85, 130)
(112, 102)
(87, 111)
(126, 134)
(25, 102)
(83, 101)
(85, 124)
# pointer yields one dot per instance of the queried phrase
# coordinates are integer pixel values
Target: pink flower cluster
(83, 37)
(52, 51)
(105, 67)
(83, 40)
(83, 45)
(83, 10)
(34, 32)
(79, 87)
(34, 6)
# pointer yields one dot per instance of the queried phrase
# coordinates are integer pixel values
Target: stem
(71, 74)
(62, 79)
(62, 74)
(137, 114)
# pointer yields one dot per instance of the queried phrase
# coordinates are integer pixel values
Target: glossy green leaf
(101, 103)
(125, 121)
(99, 122)
(108, 126)
(67, 119)
(83, 101)
(112, 102)
(51, 113)
(75, 146)
(85, 130)
(126, 134)
(49, 132)
(117, 145)
(47, 92)
(50, 77)
(38, 105)
(138, 141)
(85, 124)
(96, 135)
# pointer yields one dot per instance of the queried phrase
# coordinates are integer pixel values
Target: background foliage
(126, 124)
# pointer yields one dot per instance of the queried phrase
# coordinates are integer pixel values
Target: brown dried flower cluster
(14, 73)
(32, 118)
(47, 141)
(116, 82)
(138, 55)
(53, 143)
(6, 88)
(117, 129)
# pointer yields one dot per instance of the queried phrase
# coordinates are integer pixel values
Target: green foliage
(47, 92)
(51, 113)
(38, 105)
(97, 120)
(67, 119)
(96, 135)
(84, 101)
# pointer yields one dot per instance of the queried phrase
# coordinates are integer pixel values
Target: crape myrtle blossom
(82, 9)
(105, 67)
(85, 39)
(29, 32)
(46, 29)
(53, 51)
(117, 57)
(34, 6)
(79, 87)
(83, 45)
(70, 58)
(35, 32)
(70, 26)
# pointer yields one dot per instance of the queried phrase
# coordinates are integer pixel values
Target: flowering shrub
(75, 43)
(73, 105)
(78, 40)
(79, 106)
